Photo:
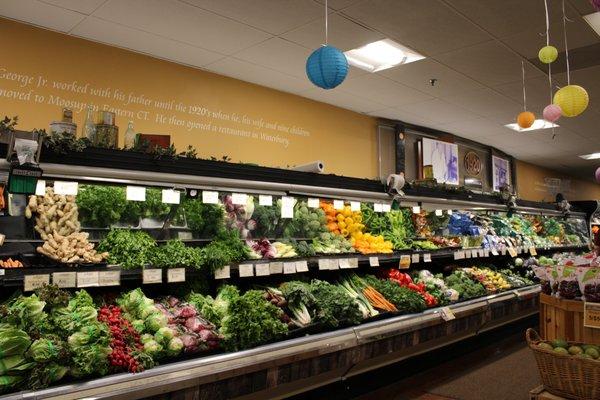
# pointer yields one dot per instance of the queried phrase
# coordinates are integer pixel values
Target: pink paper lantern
(598, 174)
(552, 112)
(596, 4)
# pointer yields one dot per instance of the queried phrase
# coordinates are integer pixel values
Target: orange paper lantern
(525, 119)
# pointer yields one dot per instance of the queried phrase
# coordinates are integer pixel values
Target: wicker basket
(565, 375)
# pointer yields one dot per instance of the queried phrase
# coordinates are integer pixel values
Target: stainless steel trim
(463, 203)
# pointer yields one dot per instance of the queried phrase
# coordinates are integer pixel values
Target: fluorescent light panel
(538, 124)
(381, 55)
(592, 156)
(593, 20)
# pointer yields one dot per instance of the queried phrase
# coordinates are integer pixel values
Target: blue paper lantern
(327, 67)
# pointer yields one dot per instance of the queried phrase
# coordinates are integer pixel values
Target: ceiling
(474, 49)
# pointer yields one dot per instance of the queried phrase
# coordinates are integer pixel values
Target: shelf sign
(66, 188)
(87, 279)
(459, 255)
(246, 270)
(109, 278)
(533, 251)
(289, 267)
(239, 199)
(467, 253)
(152, 275)
(494, 251)
(265, 200)
(276, 267)
(65, 279)
(353, 262)
(355, 206)
(404, 261)
(591, 315)
(338, 204)
(474, 253)
(32, 282)
(175, 275)
(449, 212)
(262, 269)
(223, 273)
(136, 193)
(313, 203)
(287, 207)
(512, 251)
(414, 259)
(170, 196)
(323, 264)
(378, 207)
(40, 187)
(416, 209)
(374, 261)
(439, 213)
(344, 263)
(301, 266)
(427, 258)
(447, 314)
(210, 197)
(486, 252)
(386, 208)
(334, 263)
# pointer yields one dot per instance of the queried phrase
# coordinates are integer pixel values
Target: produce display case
(300, 361)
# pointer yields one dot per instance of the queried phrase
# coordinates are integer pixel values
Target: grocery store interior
(300, 199)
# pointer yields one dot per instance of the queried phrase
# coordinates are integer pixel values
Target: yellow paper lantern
(525, 119)
(572, 99)
(548, 54)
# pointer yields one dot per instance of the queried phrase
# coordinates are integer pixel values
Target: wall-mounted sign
(472, 163)
(443, 158)
(500, 173)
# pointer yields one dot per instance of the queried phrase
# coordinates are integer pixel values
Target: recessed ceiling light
(593, 156)
(593, 20)
(538, 124)
(381, 55)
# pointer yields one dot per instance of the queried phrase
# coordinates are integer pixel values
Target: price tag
(152, 275)
(447, 314)
(65, 279)
(289, 267)
(313, 203)
(276, 268)
(323, 264)
(533, 251)
(503, 251)
(374, 261)
(246, 270)
(87, 279)
(40, 187)
(183, 235)
(414, 259)
(512, 252)
(355, 206)
(344, 263)
(109, 278)
(494, 251)
(170, 196)
(334, 263)
(209, 197)
(459, 255)
(353, 262)
(32, 282)
(338, 204)
(301, 266)
(416, 209)
(265, 200)
(66, 188)
(449, 212)
(239, 199)
(404, 261)
(517, 293)
(591, 315)
(519, 249)
(287, 207)
(2, 239)
(481, 253)
(439, 213)
(427, 257)
(386, 208)
(262, 269)
(223, 272)
(378, 207)
(136, 193)
(486, 252)
(176, 275)
(467, 254)
(474, 253)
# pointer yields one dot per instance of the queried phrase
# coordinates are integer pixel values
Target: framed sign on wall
(500, 173)
(443, 159)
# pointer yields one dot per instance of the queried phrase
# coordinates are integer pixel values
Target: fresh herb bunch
(175, 253)
(100, 205)
(206, 220)
(405, 300)
(130, 249)
(225, 249)
(336, 306)
(153, 207)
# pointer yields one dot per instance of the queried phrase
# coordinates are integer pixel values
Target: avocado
(583, 355)
(575, 350)
(561, 350)
(545, 346)
(560, 343)
(592, 353)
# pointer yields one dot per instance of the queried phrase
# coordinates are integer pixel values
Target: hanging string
(524, 94)
(326, 9)
(547, 24)
(566, 46)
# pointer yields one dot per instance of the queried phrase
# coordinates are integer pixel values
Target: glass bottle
(89, 127)
(129, 136)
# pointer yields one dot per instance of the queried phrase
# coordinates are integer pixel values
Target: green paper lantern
(548, 54)
(572, 99)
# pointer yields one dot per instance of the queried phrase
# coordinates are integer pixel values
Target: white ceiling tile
(278, 54)
(82, 6)
(41, 14)
(586, 125)
(483, 102)
(438, 111)
(132, 39)
(260, 75)
(383, 90)
(343, 34)
(537, 90)
(340, 98)
(489, 63)
(273, 16)
(338, 4)
(182, 22)
(426, 26)
(474, 128)
(582, 6)
(399, 115)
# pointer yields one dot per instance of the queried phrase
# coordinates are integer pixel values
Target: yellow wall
(40, 69)
(541, 184)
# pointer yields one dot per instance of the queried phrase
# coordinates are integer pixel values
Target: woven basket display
(566, 375)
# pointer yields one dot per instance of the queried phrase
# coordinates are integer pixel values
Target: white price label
(439, 213)
(323, 264)
(355, 206)
(66, 188)
(474, 253)
(301, 266)
(109, 278)
(32, 282)
(334, 263)
(459, 255)
(344, 263)
(449, 212)
(377, 207)
(494, 251)
(170, 196)
(416, 209)
(176, 275)
(414, 259)
(404, 261)
(313, 203)
(87, 279)
(185, 235)
(65, 279)
(512, 251)
(338, 204)
(519, 249)
(223, 272)
(239, 199)
(374, 261)
(265, 200)
(262, 269)
(486, 252)
(533, 251)
(136, 193)
(467, 254)
(447, 314)
(246, 270)
(287, 207)
(40, 187)
(276, 268)
(289, 267)
(481, 253)
(503, 251)
(353, 262)
(386, 208)
(209, 197)
(152, 275)
(427, 257)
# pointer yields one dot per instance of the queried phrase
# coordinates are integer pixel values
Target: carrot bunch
(10, 263)
(377, 300)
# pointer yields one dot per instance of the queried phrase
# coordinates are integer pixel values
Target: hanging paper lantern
(572, 99)
(552, 112)
(525, 119)
(327, 67)
(598, 174)
(548, 54)
(596, 4)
